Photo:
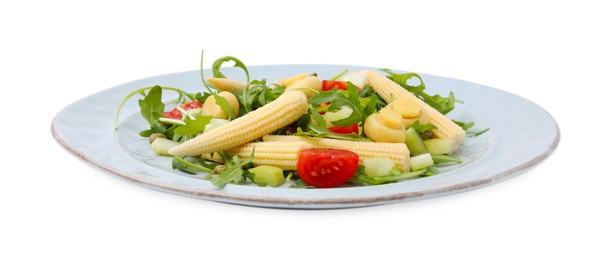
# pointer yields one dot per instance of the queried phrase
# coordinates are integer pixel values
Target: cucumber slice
(379, 166)
(421, 161)
(342, 113)
(214, 123)
(161, 146)
(270, 175)
(438, 146)
(415, 143)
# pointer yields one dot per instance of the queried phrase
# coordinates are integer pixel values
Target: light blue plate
(522, 135)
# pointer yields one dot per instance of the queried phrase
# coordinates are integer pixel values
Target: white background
(554, 53)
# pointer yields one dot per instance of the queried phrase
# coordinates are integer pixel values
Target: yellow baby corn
(227, 84)
(287, 82)
(279, 113)
(283, 155)
(389, 91)
(398, 152)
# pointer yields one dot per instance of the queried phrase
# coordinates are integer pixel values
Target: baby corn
(227, 84)
(283, 155)
(277, 114)
(389, 91)
(398, 152)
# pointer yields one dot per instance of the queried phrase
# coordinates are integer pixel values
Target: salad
(356, 128)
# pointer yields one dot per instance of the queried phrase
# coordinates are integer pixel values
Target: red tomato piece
(175, 114)
(330, 84)
(344, 129)
(326, 168)
(191, 105)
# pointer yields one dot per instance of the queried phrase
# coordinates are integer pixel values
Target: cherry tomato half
(326, 168)
(344, 129)
(330, 84)
(175, 114)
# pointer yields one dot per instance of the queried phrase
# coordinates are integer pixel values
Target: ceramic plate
(521, 135)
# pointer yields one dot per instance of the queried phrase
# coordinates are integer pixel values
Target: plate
(521, 135)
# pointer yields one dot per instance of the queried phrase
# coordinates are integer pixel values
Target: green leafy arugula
(300, 184)
(425, 130)
(463, 125)
(467, 126)
(255, 95)
(442, 104)
(224, 106)
(151, 108)
(218, 63)
(232, 173)
(188, 165)
(422, 128)
(182, 97)
(193, 126)
(338, 99)
(362, 179)
(367, 93)
(317, 128)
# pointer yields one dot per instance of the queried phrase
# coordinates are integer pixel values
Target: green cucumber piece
(438, 146)
(270, 175)
(415, 143)
(161, 146)
(421, 161)
(214, 123)
(378, 166)
(342, 113)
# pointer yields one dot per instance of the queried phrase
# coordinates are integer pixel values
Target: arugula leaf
(442, 104)
(232, 173)
(339, 74)
(193, 126)
(146, 133)
(338, 99)
(182, 95)
(218, 63)
(202, 96)
(464, 126)
(317, 128)
(255, 95)
(152, 104)
(368, 93)
(267, 94)
(182, 164)
(246, 98)
(370, 107)
(224, 105)
(477, 133)
(300, 184)
(422, 128)
(469, 125)
(425, 130)
(360, 177)
(151, 109)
